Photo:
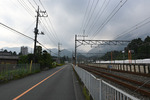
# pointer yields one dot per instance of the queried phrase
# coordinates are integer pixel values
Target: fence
(101, 90)
(136, 68)
(13, 71)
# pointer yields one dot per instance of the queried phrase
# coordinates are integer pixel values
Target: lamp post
(123, 56)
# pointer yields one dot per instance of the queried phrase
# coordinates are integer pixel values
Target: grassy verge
(18, 73)
(84, 89)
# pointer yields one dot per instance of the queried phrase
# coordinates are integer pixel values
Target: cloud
(67, 18)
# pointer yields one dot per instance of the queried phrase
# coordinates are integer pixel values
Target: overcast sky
(69, 17)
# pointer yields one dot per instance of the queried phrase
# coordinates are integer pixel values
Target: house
(8, 58)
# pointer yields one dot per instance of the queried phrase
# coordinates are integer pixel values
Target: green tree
(23, 59)
(45, 60)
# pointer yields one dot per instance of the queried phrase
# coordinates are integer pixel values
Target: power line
(24, 5)
(49, 23)
(32, 5)
(5, 26)
(135, 27)
(45, 47)
(92, 14)
(98, 15)
(16, 31)
(35, 2)
(42, 4)
(85, 15)
(88, 15)
(47, 29)
(112, 14)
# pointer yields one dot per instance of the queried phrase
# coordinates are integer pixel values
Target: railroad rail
(120, 80)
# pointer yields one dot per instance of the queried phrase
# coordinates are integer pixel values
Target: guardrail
(101, 90)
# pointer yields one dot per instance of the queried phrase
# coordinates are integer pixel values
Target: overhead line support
(36, 31)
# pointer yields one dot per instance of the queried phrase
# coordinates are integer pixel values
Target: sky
(98, 19)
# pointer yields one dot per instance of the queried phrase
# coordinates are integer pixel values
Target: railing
(101, 90)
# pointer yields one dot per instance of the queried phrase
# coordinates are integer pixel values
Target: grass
(8, 75)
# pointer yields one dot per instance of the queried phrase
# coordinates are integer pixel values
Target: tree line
(140, 49)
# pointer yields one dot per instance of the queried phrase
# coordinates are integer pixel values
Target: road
(59, 83)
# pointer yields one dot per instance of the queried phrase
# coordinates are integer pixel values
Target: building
(24, 50)
(8, 58)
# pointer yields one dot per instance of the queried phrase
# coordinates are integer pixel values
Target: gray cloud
(67, 17)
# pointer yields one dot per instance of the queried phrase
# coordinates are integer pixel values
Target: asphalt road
(56, 84)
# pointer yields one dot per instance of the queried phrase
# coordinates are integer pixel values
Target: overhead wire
(135, 27)
(26, 8)
(49, 23)
(47, 29)
(98, 15)
(91, 14)
(35, 2)
(16, 31)
(84, 16)
(112, 14)
(5, 26)
(31, 5)
(84, 25)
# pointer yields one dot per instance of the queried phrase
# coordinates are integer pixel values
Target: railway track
(125, 82)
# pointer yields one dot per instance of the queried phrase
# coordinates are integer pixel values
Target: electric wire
(91, 14)
(26, 8)
(55, 37)
(35, 2)
(113, 13)
(135, 27)
(5, 26)
(16, 31)
(88, 15)
(42, 4)
(47, 29)
(98, 15)
(32, 5)
(84, 16)
(50, 25)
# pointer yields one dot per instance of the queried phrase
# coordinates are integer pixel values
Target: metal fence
(101, 90)
(13, 71)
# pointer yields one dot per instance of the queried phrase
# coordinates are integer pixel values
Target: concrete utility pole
(36, 31)
(75, 50)
(59, 52)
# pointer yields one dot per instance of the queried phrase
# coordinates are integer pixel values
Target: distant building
(24, 50)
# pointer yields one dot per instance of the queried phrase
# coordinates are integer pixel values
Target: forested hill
(140, 50)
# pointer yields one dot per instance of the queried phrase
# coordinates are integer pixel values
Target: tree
(14, 53)
(45, 60)
(23, 59)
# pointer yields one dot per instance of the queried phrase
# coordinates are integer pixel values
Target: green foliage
(17, 73)
(44, 59)
(140, 48)
(23, 59)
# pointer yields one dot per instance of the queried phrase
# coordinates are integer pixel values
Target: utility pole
(36, 31)
(59, 52)
(75, 50)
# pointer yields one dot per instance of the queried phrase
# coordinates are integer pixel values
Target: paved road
(56, 84)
